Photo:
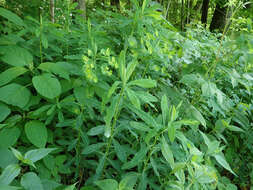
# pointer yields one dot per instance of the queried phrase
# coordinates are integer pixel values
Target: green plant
(127, 103)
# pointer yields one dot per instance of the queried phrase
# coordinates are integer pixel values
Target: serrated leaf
(10, 74)
(107, 184)
(47, 86)
(9, 174)
(128, 182)
(30, 181)
(130, 69)
(138, 157)
(36, 133)
(139, 126)
(120, 151)
(15, 94)
(167, 153)
(133, 98)
(92, 148)
(222, 161)
(144, 83)
(148, 119)
(195, 114)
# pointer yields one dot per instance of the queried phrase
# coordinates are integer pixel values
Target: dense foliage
(123, 101)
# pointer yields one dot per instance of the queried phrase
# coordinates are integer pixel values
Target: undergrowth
(123, 101)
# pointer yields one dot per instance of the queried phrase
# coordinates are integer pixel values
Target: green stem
(115, 118)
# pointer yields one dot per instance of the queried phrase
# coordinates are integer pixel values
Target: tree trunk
(82, 7)
(219, 18)
(167, 9)
(115, 3)
(52, 10)
(182, 15)
(204, 15)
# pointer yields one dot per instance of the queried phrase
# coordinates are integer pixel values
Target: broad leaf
(30, 181)
(36, 133)
(16, 56)
(9, 136)
(7, 158)
(107, 184)
(4, 111)
(47, 85)
(128, 182)
(9, 174)
(10, 74)
(15, 94)
(38, 154)
(55, 68)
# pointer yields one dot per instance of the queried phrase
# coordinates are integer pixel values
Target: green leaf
(36, 133)
(5, 111)
(9, 136)
(144, 83)
(120, 151)
(10, 74)
(107, 184)
(7, 187)
(47, 86)
(171, 131)
(7, 158)
(9, 174)
(44, 40)
(30, 181)
(149, 120)
(222, 161)
(138, 157)
(165, 109)
(94, 131)
(195, 114)
(110, 113)
(100, 167)
(139, 126)
(15, 94)
(38, 154)
(167, 153)
(80, 95)
(11, 17)
(16, 56)
(92, 148)
(17, 154)
(128, 182)
(133, 98)
(54, 68)
(122, 66)
(173, 113)
(130, 69)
